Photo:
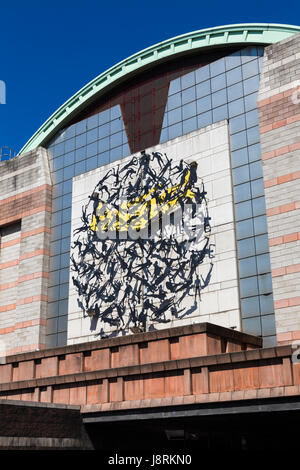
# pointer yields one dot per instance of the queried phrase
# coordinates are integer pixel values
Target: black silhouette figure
(134, 283)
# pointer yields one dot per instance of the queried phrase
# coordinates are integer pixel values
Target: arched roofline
(204, 39)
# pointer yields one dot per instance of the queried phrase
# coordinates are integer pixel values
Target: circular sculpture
(144, 244)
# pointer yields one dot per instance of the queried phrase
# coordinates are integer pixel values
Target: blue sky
(49, 52)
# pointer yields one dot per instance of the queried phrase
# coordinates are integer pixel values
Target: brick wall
(279, 117)
(25, 212)
(38, 426)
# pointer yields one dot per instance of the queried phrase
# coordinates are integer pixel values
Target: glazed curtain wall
(156, 111)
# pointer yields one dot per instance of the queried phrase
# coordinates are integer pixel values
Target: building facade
(205, 125)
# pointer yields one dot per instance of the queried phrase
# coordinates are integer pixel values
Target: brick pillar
(279, 119)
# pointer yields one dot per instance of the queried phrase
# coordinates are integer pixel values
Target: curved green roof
(253, 33)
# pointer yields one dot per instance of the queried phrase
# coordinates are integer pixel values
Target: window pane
(80, 154)
(188, 95)
(252, 118)
(175, 86)
(253, 135)
(260, 225)
(243, 210)
(259, 206)
(115, 112)
(62, 323)
(257, 187)
(254, 152)
(266, 304)
(219, 98)
(174, 116)
(70, 145)
(91, 163)
(63, 306)
(80, 140)
(62, 339)
(116, 140)
(67, 186)
(220, 113)
(245, 229)
(80, 127)
(103, 158)
(70, 132)
(263, 263)
(252, 326)
(248, 54)
(265, 283)
(92, 121)
(79, 168)
(218, 82)
(251, 85)
(235, 91)
(249, 69)
(269, 341)
(65, 247)
(202, 74)
(241, 174)
(203, 104)
(233, 60)
(246, 247)
(189, 110)
(69, 158)
(174, 101)
(203, 89)
(268, 325)
(240, 157)
(236, 107)
(92, 149)
(256, 170)
(261, 244)
(188, 80)
(237, 124)
(217, 67)
(104, 116)
(250, 101)
(116, 125)
(67, 201)
(104, 130)
(66, 215)
(204, 119)
(103, 145)
(238, 140)
(189, 125)
(250, 307)
(249, 286)
(247, 267)
(234, 76)
(175, 131)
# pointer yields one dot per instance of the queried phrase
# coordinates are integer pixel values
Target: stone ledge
(186, 330)
(241, 395)
(233, 358)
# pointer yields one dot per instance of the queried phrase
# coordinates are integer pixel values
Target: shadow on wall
(143, 246)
